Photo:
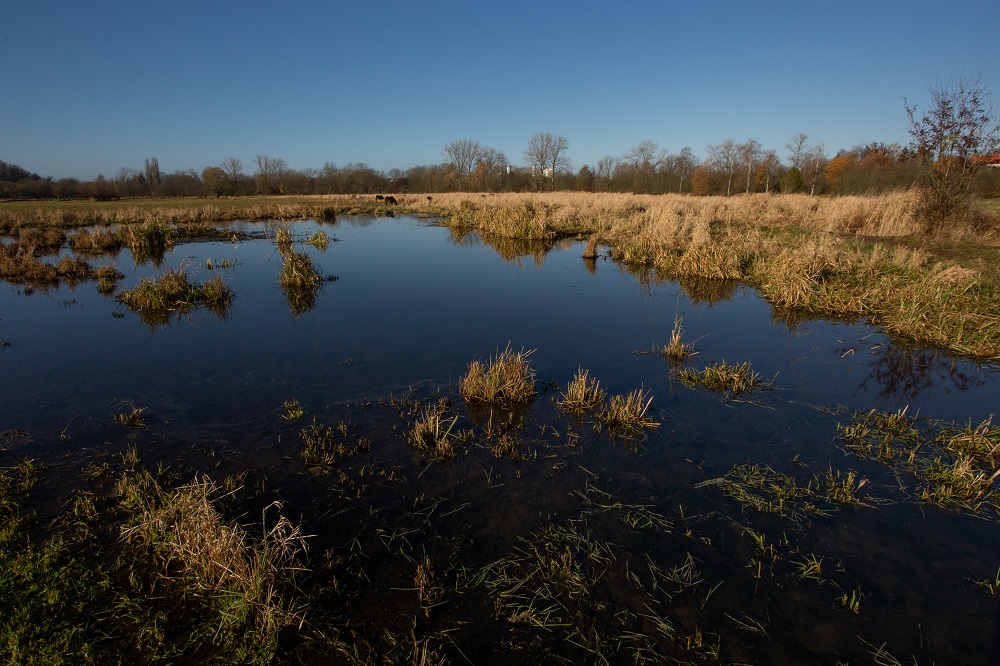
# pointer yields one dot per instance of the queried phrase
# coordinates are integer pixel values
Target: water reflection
(709, 291)
(907, 373)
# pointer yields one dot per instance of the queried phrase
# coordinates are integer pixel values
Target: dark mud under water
(586, 547)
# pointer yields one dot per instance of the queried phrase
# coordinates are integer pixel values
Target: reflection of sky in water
(412, 304)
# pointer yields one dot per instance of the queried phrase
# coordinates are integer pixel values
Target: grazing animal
(390, 200)
(379, 197)
(429, 198)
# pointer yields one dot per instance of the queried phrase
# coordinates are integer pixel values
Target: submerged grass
(955, 467)
(433, 432)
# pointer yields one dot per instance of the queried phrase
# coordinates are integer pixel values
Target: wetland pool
(712, 537)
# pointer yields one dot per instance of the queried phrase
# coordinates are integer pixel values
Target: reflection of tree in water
(707, 290)
(905, 372)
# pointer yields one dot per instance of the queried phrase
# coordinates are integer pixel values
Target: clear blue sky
(90, 87)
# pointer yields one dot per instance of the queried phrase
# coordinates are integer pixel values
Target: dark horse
(390, 200)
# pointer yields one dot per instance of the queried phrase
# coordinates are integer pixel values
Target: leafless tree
(270, 173)
(547, 153)
(644, 159)
(606, 167)
(464, 154)
(683, 164)
(153, 174)
(490, 167)
(768, 170)
(725, 156)
(814, 159)
(233, 169)
(751, 153)
(797, 150)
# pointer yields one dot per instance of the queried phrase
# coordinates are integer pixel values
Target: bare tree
(606, 167)
(958, 130)
(751, 153)
(547, 154)
(767, 172)
(683, 164)
(464, 154)
(490, 167)
(270, 174)
(725, 155)
(796, 150)
(152, 174)
(815, 159)
(233, 169)
(644, 159)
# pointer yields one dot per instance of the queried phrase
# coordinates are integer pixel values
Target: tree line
(730, 167)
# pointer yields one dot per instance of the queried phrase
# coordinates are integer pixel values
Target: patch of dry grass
(505, 379)
(582, 394)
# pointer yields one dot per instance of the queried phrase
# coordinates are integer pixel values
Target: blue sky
(89, 88)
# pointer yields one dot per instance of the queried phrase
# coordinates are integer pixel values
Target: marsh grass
(147, 241)
(283, 239)
(506, 379)
(767, 490)
(735, 380)
(107, 279)
(433, 433)
(628, 414)
(293, 410)
(319, 240)
(156, 300)
(582, 394)
(216, 567)
(676, 349)
(300, 280)
(324, 445)
(133, 419)
(954, 467)
(99, 240)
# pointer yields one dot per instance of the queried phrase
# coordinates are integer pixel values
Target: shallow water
(411, 305)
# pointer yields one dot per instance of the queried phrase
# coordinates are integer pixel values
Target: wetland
(360, 439)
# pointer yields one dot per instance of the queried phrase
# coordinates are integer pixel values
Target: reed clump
(582, 394)
(628, 413)
(734, 380)
(433, 432)
(300, 280)
(100, 240)
(506, 379)
(173, 292)
(147, 241)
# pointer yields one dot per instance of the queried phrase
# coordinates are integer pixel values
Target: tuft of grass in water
(147, 241)
(319, 240)
(769, 491)
(300, 280)
(101, 240)
(429, 590)
(582, 394)
(293, 410)
(132, 419)
(283, 239)
(628, 413)
(734, 380)
(676, 349)
(433, 433)
(506, 379)
(155, 301)
(325, 445)
(107, 279)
